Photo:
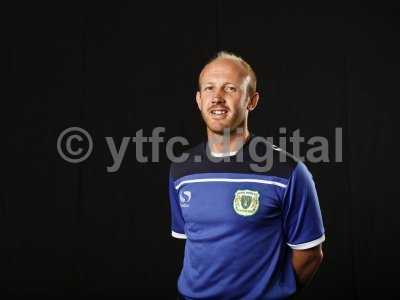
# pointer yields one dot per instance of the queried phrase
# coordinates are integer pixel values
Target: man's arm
(305, 263)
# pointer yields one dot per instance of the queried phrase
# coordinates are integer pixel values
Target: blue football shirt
(240, 225)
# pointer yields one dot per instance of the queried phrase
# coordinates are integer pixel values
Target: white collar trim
(223, 154)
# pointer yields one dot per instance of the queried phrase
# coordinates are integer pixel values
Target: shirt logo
(246, 202)
(184, 198)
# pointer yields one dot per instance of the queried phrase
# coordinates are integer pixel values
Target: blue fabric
(229, 255)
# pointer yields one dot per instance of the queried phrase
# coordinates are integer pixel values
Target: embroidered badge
(246, 202)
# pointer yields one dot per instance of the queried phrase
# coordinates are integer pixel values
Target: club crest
(246, 202)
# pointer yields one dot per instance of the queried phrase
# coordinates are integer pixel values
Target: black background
(70, 229)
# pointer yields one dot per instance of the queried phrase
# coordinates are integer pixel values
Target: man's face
(222, 97)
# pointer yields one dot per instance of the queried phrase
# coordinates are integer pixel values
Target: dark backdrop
(72, 229)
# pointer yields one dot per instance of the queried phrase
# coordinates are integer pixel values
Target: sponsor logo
(184, 198)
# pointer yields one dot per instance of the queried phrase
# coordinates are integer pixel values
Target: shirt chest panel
(222, 203)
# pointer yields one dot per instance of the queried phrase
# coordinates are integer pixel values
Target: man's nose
(219, 96)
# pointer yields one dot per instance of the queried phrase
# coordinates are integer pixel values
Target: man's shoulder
(259, 157)
(187, 158)
(269, 159)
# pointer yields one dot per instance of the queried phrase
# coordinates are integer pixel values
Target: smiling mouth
(218, 112)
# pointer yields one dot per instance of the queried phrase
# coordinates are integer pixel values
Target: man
(249, 234)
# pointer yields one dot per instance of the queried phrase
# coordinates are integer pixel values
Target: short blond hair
(252, 86)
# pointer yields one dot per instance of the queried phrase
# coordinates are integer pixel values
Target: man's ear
(198, 100)
(253, 101)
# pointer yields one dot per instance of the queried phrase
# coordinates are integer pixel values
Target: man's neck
(228, 144)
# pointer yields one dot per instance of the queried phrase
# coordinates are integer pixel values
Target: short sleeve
(302, 219)
(177, 221)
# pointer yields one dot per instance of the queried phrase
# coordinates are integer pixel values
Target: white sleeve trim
(178, 235)
(307, 245)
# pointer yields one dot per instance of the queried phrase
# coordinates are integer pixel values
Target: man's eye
(208, 88)
(231, 89)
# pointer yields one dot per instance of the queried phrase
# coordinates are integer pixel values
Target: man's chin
(220, 130)
(219, 126)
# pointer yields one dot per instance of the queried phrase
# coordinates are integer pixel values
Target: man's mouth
(219, 112)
